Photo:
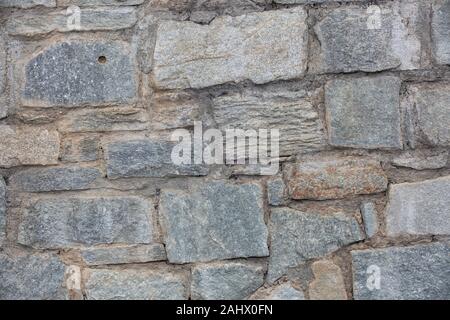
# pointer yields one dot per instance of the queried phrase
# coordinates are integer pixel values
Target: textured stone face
(414, 272)
(146, 158)
(2, 211)
(71, 222)
(276, 192)
(288, 111)
(55, 179)
(364, 113)
(25, 4)
(217, 220)
(82, 3)
(231, 49)
(419, 208)
(298, 236)
(422, 160)
(440, 26)
(370, 219)
(335, 179)
(80, 148)
(284, 291)
(226, 281)
(351, 40)
(31, 277)
(328, 283)
(135, 284)
(124, 254)
(28, 146)
(2, 71)
(75, 73)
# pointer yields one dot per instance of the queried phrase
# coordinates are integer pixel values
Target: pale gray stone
(284, 291)
(353, 39)
(440, 26)
(2, 72)
(226, 280)
(422, 159)
(2, 211)
(289, 111)
(71, 222)
(364, 112)
(76, 74)
(146, 158)
(31, 277)
(23, 24)
(87, 3)
(80, 148)
(312, 1)
(215, 220)
(26, 4)
(231, 49)
(135, 284)
(419, 272)
(123, 254)
(370, 218)
(31, 146)
(299, 236)
(419, 208)
(55, 179)
(276, 191)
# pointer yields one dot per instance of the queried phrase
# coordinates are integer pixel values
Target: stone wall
(92, 207)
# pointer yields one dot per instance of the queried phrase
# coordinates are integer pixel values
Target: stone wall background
(92, 208)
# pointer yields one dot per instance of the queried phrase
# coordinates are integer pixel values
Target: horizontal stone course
(26, 4)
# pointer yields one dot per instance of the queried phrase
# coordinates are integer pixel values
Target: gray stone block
(73, 222)
(2, 211)
(276, 192)
(422, 159)
(80, 148)
(26, 4)
(370, 218)
(419, 272)
(440, 26)
(215, 220)
(284, 291)
(88, 3)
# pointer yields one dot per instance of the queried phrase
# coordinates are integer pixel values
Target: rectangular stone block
(123, 254)
(374, 38)
(419, 272)
(87, 3)
(2, 71)
(2, 211)
(31, 277)
(72, 222)
(296, 237)
(146, 158)
(26, 4)
(55, 179)
(214, 220)
(260, 47)
(440, 26)
(135, 284)
(364, 112)
(335, 179)
(80, 148)
(28, 146)
(419, 208)
(80, 73)
(91, 20)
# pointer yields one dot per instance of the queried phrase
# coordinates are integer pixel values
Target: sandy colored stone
(328, 283)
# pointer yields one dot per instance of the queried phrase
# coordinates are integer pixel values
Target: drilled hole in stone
(102, 59)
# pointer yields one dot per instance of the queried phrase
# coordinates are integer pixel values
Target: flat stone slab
(419, 272)
(440, 27)
(80, 73)
(419, 208)
(2, 211)
(215, 220)
(26, 4)
(231, 49)
(31, 277)
(89, 3)
(73, 222)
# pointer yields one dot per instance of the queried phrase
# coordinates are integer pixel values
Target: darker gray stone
(370, 219)
(146, 158)
(31, 277)
(72, 74)
(80, 148)
(215, 220)
(226, 281)
(415, 272)
(62, 223)
(276, 192)
(364, 113)
(298, 236)
(440, 26)
(2, 211)
(55, 179)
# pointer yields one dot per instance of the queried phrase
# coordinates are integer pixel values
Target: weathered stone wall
(92, 207)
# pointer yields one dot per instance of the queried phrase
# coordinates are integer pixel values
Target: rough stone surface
(91, 20)
(135, 284)
(2, 72)
(71, 74)
(80, 148)
(299, 236)
(55, 179)
(231, 49)
(2, 211)
(422, 159)
(146, 158)
(413, 272)
(276, 192)
(226, 281)
(28, 146)
(26, 4)
(440, 26)
(123, 254)
(70, 222)
(328, 283)
(370, 218)
(335, 179)
(364, 112)
(284, 291)
(31, 277)
(419, 208)
(352, 39)
(87, 3)
(216, 220)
